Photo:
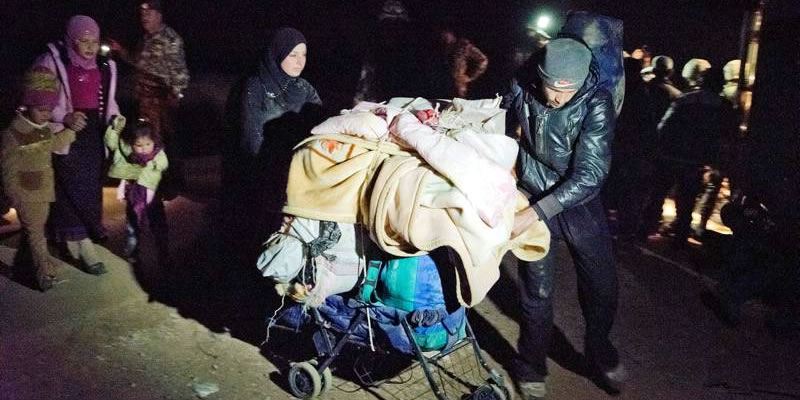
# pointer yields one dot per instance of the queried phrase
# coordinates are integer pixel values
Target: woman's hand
(75, 121)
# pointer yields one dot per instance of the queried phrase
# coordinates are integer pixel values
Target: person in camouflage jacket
(161, 78)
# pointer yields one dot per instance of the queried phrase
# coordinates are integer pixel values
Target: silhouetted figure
(396, 62)
(714, 175)
(763, 259)
(634, 144)
(689, 139)
(465, 62)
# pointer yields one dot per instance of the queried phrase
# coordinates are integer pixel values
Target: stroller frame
(313, 378)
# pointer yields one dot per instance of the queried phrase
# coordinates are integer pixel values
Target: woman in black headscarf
(277, 89)
(277, 110)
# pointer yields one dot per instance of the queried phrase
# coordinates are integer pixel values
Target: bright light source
(543, 22)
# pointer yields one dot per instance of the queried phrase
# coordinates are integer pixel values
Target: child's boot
(131, 250)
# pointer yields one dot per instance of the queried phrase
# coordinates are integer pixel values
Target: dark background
(228, 35)
(224, 38)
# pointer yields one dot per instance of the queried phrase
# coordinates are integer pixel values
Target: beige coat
(27, 159)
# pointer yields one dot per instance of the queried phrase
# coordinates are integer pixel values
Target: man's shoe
(532, 390)
(94, 269)
(611, 380)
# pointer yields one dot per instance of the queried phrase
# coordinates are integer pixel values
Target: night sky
(235, 31)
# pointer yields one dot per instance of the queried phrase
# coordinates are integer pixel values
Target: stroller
(440, 355)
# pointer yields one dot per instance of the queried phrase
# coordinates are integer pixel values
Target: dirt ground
(195, 328)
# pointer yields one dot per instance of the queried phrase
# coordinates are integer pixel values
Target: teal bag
(410, 283)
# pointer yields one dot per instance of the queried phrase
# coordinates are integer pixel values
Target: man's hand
(523, 220)
(75, 121)
(120, 50)
(151, 194)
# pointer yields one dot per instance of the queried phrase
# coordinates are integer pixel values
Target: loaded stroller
(397, 217)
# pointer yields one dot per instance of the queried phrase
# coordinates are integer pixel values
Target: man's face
(556, 98)
(40, 114)
(151, 19)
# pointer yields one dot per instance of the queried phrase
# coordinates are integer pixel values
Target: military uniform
(161, 74)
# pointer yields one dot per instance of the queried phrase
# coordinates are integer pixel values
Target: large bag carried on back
(603, 35)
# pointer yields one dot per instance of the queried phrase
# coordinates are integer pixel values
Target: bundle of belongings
(390, 182)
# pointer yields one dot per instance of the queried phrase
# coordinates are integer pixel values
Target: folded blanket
(329, 174)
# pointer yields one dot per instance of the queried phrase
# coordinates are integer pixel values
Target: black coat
(565, 153)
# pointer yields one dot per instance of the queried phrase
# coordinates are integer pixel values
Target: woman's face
(143, 145)
(87, 46)
(294, 63)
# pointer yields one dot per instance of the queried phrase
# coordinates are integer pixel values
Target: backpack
(603, 35)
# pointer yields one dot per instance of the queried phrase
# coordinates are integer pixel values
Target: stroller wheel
(490, 391)
(326, 377)
(304, 380)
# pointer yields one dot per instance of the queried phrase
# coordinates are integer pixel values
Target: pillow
(362, 124)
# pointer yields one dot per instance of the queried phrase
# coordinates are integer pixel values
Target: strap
(367, 292)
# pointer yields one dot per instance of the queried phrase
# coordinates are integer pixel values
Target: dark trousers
(689, 181)
(585, 230)
(156, 221)
(712, 184)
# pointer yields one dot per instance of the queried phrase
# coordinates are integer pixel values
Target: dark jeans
(585, 230)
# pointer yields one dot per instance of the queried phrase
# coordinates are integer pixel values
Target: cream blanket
(407, 207)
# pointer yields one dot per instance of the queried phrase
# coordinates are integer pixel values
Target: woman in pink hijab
(87, 100)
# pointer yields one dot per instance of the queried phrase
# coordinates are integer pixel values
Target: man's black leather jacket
(565, 153)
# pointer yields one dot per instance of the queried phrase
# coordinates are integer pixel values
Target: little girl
(138, 161)
(28, 144)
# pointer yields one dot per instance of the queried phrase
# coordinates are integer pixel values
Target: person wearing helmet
(692, 72)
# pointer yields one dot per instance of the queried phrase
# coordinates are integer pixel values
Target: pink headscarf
(78, 27)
